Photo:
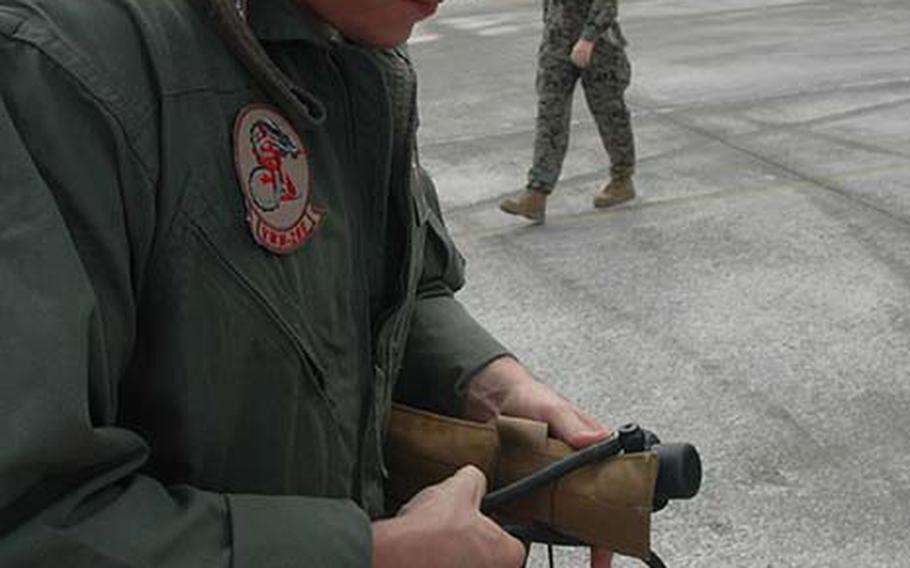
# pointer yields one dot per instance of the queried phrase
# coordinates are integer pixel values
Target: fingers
(509, 550)
(601, 558)
(581, 54)
(590, 421)
(466, 487)
(575, 427)
(470, 482)
(579, 59)
(443, 526)
(515, 551)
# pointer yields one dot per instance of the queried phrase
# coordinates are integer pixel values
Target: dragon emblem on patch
(274, 176)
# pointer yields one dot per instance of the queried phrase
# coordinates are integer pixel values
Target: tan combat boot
(530, 203)
(619, 190)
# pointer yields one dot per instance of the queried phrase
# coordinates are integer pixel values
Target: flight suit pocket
(419, 181)
(442, 258)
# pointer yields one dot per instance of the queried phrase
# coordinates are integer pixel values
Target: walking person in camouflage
(581, 39)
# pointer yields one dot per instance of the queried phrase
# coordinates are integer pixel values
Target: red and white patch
(274, 175)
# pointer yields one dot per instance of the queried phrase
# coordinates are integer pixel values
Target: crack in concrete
(792, 171)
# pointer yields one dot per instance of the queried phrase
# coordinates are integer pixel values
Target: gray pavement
(754, 299)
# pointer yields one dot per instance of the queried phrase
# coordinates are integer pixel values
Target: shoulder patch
(274, 175)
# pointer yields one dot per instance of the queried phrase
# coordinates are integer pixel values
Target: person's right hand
(581, 53)
(442, 527)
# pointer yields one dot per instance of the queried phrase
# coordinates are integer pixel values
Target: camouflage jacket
(567, 21)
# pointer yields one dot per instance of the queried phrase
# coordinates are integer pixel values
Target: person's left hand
(581, 53)
(505, 386)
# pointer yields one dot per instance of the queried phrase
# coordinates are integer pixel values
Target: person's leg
(556, 79)
(604, 83)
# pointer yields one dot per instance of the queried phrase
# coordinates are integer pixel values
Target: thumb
(470, 484)
(576, 429)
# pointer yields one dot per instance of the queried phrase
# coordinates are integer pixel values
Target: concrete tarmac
(753, 300)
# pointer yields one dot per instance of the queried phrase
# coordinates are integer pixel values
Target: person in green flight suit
(220, 263)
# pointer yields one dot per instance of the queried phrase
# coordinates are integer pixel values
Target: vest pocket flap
(420, 181)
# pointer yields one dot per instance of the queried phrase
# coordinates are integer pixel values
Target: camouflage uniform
(604, 82)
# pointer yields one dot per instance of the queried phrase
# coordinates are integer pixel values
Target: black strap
(654, 561)
(551, 473)
(544, 535)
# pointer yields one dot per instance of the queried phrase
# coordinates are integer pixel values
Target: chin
(385, 38)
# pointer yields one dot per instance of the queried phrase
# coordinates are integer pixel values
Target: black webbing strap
(551, 473)
(654, 561)
(542, 535)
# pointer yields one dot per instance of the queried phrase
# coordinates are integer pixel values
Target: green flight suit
(171, 393)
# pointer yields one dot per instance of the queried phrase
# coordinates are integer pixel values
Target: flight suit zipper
(304, 354)
(393, 320)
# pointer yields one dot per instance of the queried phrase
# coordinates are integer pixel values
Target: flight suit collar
(288, 20)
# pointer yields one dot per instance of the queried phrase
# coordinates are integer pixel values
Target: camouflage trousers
(604, 82)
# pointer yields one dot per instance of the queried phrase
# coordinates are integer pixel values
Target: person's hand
(505, 386)
(442, 527)
(581, 53)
